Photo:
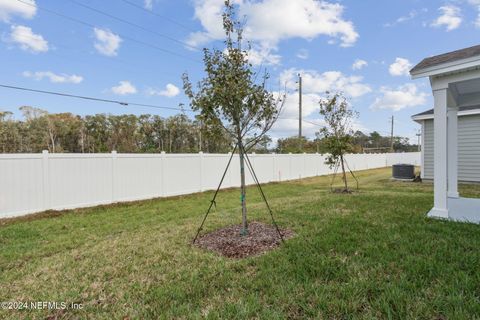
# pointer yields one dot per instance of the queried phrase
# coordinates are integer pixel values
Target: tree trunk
(244, 231)
(52, 139)
(344, 173)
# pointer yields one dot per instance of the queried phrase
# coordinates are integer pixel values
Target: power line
(116, 60)
(303, 120)
(163, 17)
(78, 21)
(68, 95)
(132, 24)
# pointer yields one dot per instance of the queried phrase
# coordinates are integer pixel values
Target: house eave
(430, 116)
(447, 68)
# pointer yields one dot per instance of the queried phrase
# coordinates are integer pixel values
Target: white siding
(428, 148)
(468, 148)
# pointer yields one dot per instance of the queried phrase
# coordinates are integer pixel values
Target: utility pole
(299, 106)
(391, 136)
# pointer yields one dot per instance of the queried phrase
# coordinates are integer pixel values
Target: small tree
(231, 96)
(337, 133)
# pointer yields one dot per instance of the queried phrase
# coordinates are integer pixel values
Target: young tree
(337, 133)
(230, 95)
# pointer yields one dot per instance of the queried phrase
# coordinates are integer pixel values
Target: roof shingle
(447, 57)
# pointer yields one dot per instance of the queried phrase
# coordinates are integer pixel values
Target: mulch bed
(343, 191)
(229, 243)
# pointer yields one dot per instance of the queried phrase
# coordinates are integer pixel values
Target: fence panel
(78, 180)
(137, 177)
(21, 184)
(36, 182)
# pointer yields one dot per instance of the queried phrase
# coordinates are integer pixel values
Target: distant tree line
(362, 143)
(65, 132)
(69, 133)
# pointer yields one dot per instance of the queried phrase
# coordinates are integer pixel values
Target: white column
(422, 150)
(440, 208)
(452, 148)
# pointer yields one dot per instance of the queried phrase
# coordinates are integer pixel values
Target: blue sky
(363, 48)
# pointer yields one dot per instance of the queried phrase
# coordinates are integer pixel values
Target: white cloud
(476, 3)
(148, 4)
(450, 18)
(27, 40)
(303, 54)
(314, 82)
(287, 124)
(359, 64)
(209, 13)
(405, 96)
(107, 42)
(261, 55)
(401, 67)
(410, 16)
(270, 21)
(284, 127)
(124, 88)
(170, 91)
(55, 78)
(310, 105)
(10, 8)
(275, 20)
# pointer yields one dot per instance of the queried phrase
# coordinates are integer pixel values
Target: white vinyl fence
(37, 182)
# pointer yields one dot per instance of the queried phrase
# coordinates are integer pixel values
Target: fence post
(290, 157)
(304, 165)
(200, 154)
(273, 166)
(46, 180)
(114, 172)
(229, 170)
(162, 162)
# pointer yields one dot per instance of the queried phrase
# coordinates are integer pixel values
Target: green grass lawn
(373, 254)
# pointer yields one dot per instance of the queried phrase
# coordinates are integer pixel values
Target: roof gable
(446, 58)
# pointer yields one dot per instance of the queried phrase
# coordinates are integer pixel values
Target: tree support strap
(351, 172)
(337, 166)
(212, 202)
(254, 176)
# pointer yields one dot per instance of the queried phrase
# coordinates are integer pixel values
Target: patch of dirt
(343, 191)
(229, 243)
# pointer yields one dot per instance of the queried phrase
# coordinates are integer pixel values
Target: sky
(137, 50)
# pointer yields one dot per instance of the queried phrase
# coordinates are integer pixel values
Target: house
(455, 82)
(468, 143)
